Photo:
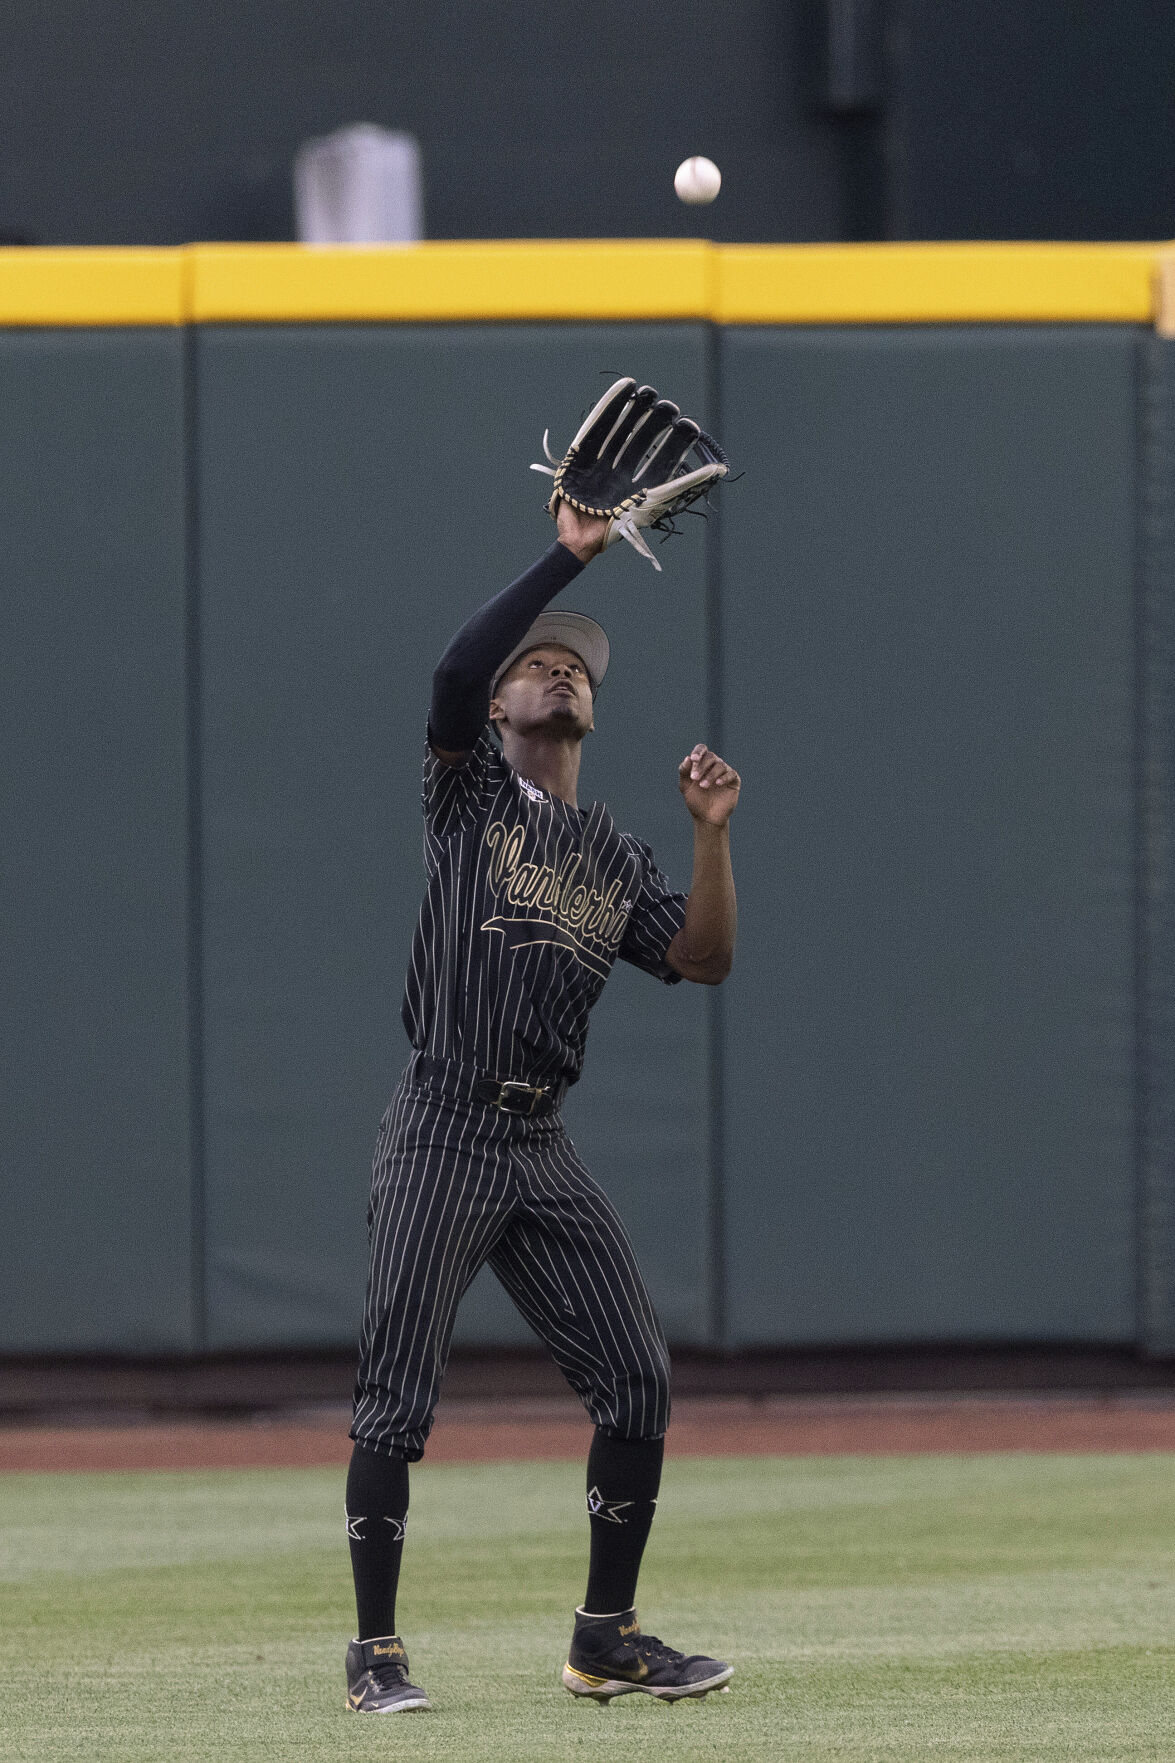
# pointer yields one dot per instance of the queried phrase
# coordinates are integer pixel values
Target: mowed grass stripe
(998, 1607)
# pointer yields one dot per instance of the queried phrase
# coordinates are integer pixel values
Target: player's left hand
(583, 534)
(710, 786)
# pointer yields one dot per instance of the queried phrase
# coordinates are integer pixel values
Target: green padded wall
(348, 523)
(928, 615)
(946, 1102)
(94, 1119)
(1156, 868)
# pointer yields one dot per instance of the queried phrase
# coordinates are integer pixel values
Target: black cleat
(611, 1657)
(377, 1678)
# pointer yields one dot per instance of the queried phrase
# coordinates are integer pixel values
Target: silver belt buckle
(519, 1098)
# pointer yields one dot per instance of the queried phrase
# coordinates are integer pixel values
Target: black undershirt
(461, 683)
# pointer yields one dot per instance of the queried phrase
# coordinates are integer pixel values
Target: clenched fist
(710, 786)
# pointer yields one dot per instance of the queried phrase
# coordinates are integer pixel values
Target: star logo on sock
(355, 1521)
(399, 1526)
(611, 1510)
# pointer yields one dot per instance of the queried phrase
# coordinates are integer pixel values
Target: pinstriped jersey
(529, 903)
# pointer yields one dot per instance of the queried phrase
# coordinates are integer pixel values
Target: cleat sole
(413, 1706)
(603, 1689)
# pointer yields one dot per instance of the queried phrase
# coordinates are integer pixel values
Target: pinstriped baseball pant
(457, 1183)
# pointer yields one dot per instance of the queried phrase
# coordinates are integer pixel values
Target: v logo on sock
(610, 1510)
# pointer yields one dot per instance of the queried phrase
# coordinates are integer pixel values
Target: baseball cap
(571, 630)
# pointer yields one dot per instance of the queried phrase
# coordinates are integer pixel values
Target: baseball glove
(630, 463)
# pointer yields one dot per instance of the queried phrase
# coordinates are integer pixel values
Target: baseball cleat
(611, 1657)
(377, 1678)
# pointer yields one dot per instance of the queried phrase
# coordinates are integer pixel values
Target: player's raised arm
(461, 681)
(703, 949)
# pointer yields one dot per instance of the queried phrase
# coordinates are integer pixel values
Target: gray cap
(571, 630)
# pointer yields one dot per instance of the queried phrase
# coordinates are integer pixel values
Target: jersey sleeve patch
(658, 913)
(452, 793)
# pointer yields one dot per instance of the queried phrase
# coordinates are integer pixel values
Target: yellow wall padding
(83, 285)
(619, 279)
(926, 284)
(508, 279)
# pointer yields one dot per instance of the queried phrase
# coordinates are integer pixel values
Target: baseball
(697, 180)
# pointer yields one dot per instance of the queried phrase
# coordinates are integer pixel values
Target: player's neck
(551, 763)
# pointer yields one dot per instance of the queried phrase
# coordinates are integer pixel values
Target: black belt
(467, 1083)
(514, 1098)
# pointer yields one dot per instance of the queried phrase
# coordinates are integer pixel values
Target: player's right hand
(710, 786)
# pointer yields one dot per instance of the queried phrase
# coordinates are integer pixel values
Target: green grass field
(965, 1608)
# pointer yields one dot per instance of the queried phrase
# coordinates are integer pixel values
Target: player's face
(547, 688)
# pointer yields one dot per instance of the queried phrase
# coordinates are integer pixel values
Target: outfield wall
(247, 498)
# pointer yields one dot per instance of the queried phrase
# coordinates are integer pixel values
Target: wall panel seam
(193, 676)
(1156, 850)
(715, 690)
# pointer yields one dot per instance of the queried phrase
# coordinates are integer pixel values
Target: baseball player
(530, 899)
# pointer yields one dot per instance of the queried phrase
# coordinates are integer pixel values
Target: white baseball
(697, 180)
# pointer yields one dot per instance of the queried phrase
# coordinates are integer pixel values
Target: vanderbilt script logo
(553, 904)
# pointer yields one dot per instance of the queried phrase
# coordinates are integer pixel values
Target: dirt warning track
(556, 1430)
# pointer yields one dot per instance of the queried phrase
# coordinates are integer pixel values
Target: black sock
(377, 1512)
(623, 1476)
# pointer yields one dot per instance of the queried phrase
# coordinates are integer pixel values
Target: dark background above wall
(831, 119)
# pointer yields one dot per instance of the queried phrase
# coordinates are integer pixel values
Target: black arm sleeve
(461, 682)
